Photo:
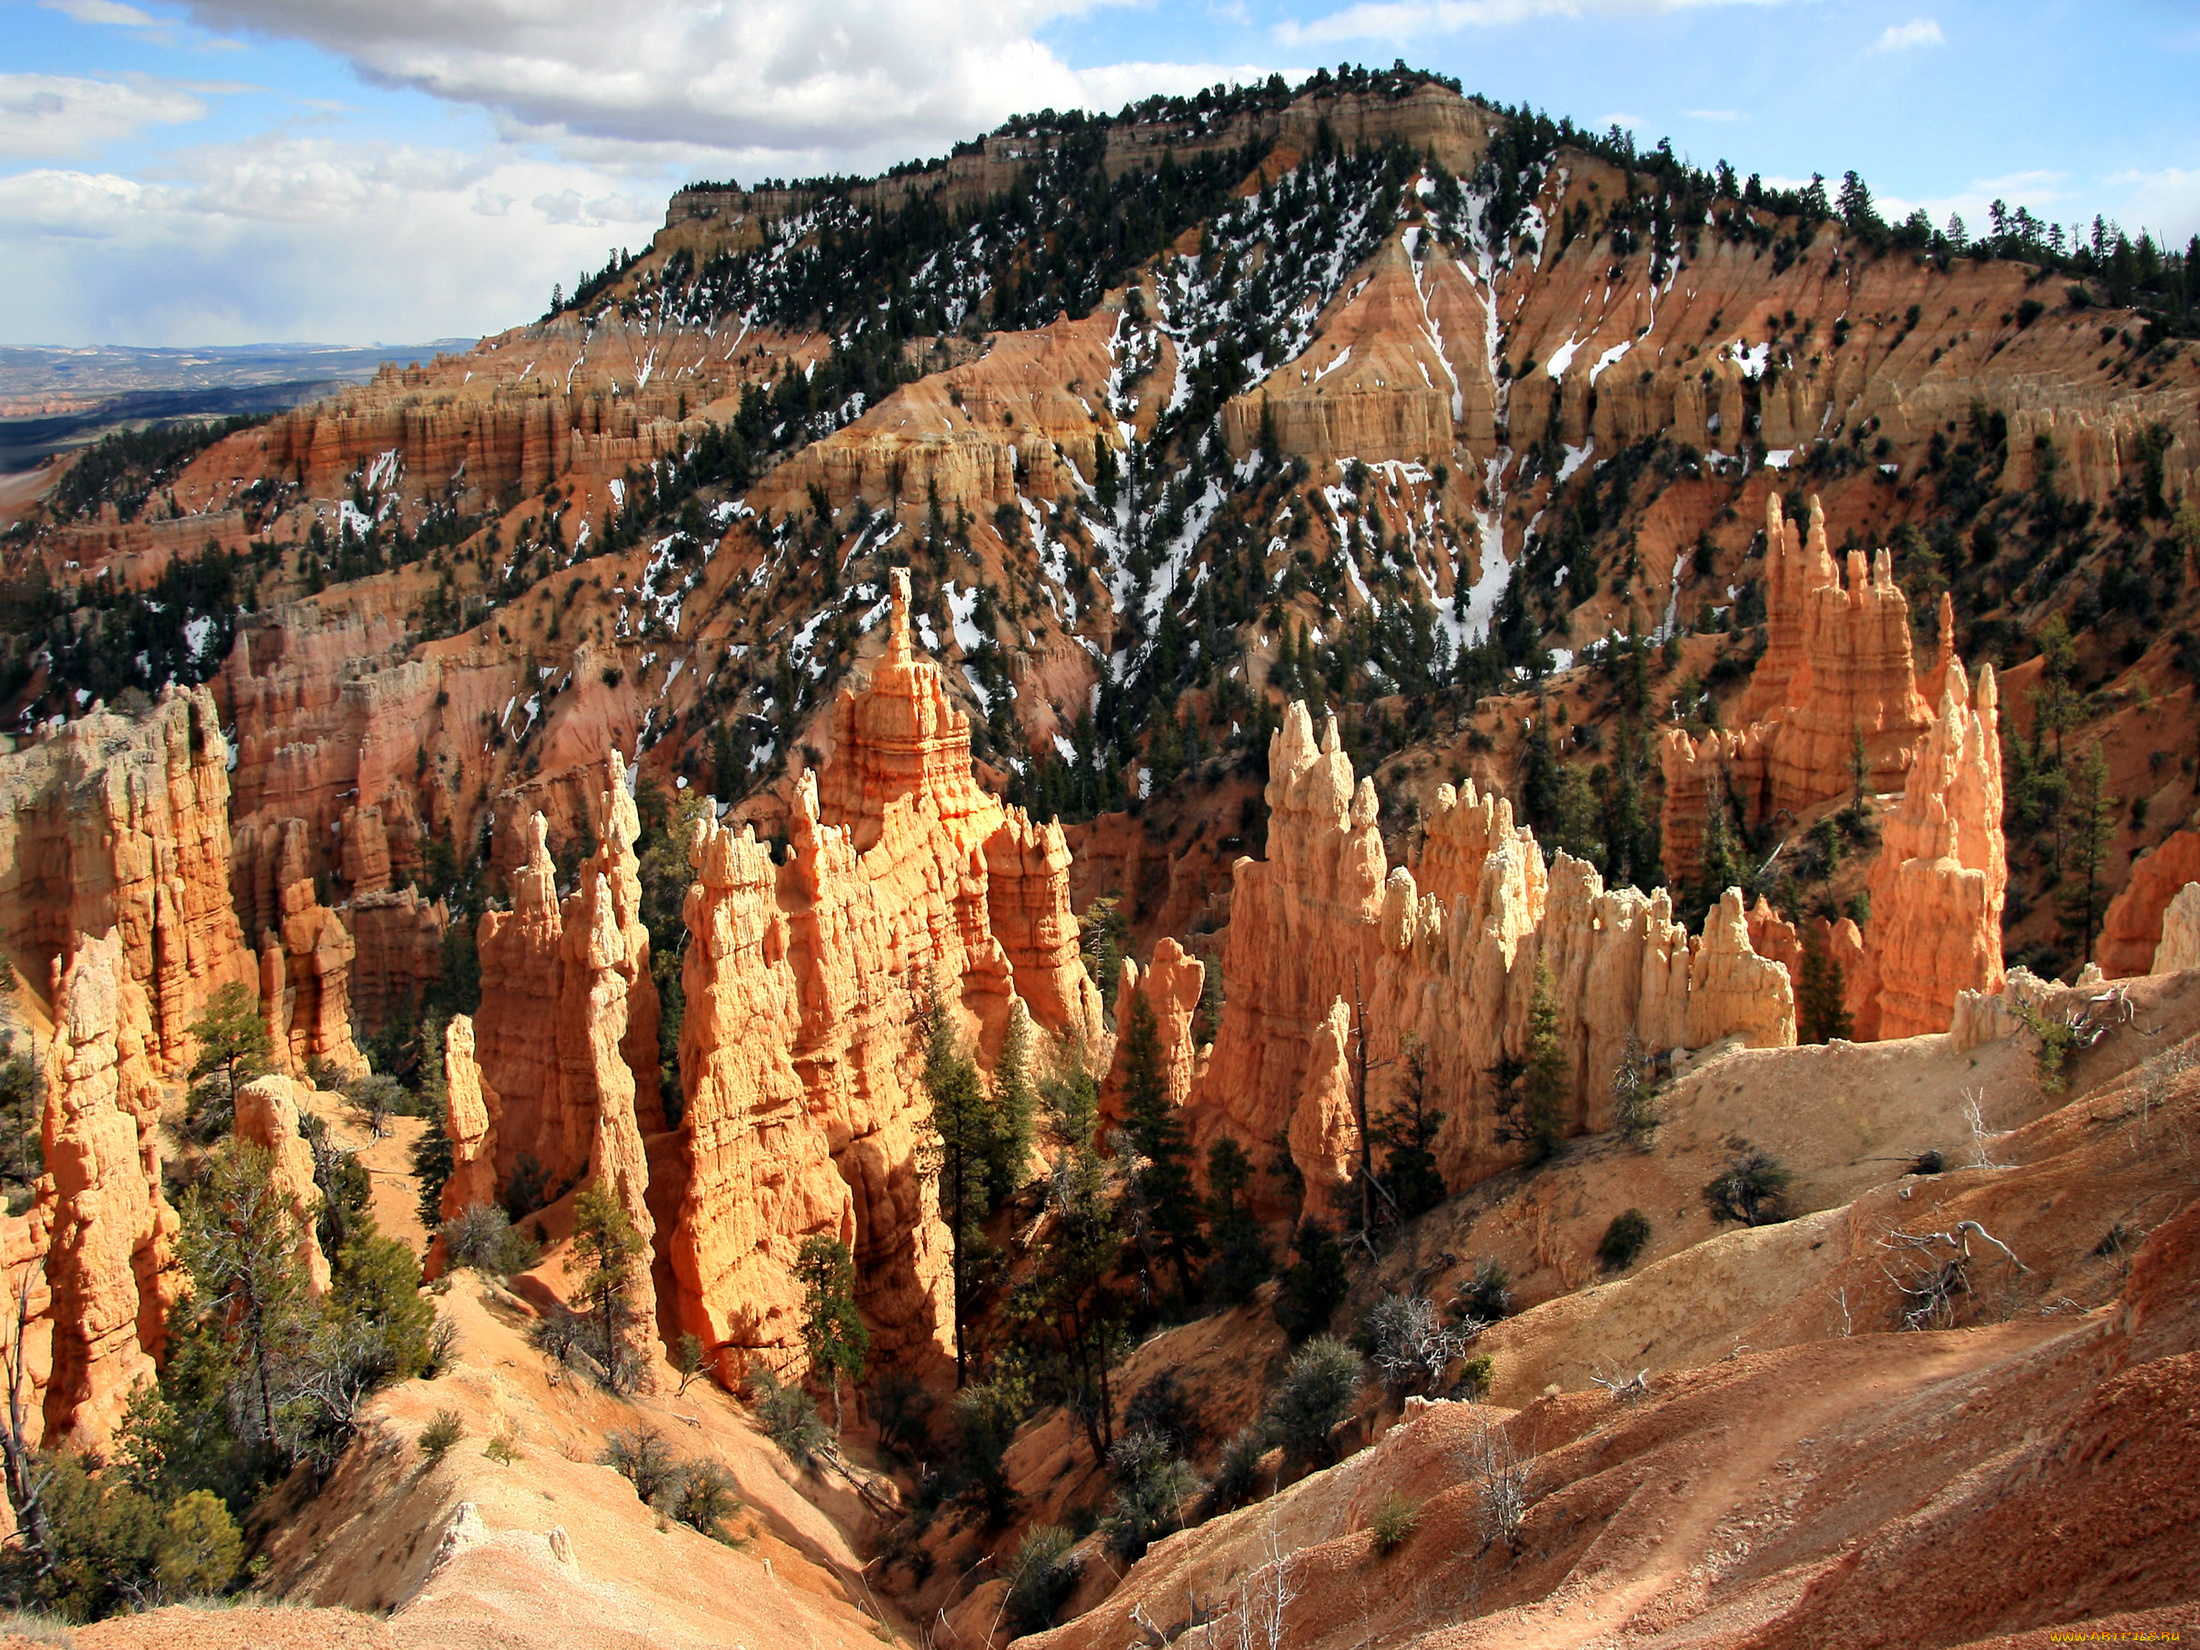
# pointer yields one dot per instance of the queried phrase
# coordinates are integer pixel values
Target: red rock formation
(398, 939)
(1837, 666)
(121, 822)
(2180, 947)
(109, 1261)
(598, 1088)
(1322, 923)
(618, 826)
(804, 1108)
(305, 953)
(267, 1115)
(471, 1122)
(1171, 985)
(2131, 928)
(522, 974)
(1938, 884)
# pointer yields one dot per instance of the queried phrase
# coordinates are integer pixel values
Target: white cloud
(1919, 31)
(293, 237)
(1410, 19)
(45, 116)
(855, 79)
(109, 12)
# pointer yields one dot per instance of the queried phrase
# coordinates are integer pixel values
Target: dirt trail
(1596, 1612)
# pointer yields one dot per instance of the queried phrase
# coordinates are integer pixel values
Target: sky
(395, 171)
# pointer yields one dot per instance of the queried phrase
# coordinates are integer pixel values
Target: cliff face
(804, 1111)
(120, 822)
(2133, 927)
(1837, 670)
(1942, 875)
(106, 1264)
(1326, 940)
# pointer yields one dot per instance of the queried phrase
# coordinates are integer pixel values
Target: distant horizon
(198, 174)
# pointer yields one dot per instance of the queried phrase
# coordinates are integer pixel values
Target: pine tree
(1822, 1012)
(1015, 1108)
(962, 1141)
(239, 1242)
(1539, 773)
(1538, 1119)
(1066, 1311)
(2093, 815)
(833, 1331)
(607, 1252)
(1161, 1185)
(1407, 1133)
(1242, 1261)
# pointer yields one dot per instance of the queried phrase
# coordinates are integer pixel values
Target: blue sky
(231, 171)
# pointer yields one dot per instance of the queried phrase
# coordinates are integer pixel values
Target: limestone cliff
(2180, 947)
(267, 1115)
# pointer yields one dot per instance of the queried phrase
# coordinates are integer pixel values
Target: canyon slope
(1687, 680)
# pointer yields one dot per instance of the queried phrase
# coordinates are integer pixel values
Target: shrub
(1152, 1483)
(790, 1419)
(1315, 1283)
(1041, 1576)
(1487, 1296)
(1237, 1474)
(503, 1449)
(483, 1238)
(199, 1547)
(1395, 1520)
(1317, 1390)
(1751, 1189)
(701, 1495)
(1623, 1239)
(440, 1435)
(643, 1458)
(1160, 1407)
(1474, 1376)
(1409, 1342)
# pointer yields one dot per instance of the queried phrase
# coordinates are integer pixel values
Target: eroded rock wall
(1326, 937)
(121, 822)
(804, 1107)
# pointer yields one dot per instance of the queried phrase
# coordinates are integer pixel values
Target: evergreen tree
(1166, 1209)
(607, 1252)
(239, 1242)
(1068, 1314)
(1822, 1012)
(1015, 1110)
(1538, 1119)
(1315, 1283)
(962, 1129)
(1539, 772)
(833, 1331)
(2093, 825)
(1407, 1133)
(1242, 1262)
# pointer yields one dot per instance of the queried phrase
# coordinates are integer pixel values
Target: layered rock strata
(121, 822)
(1326, 939)
(306, 953)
